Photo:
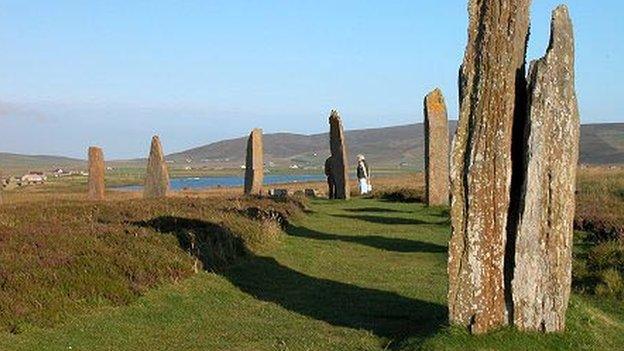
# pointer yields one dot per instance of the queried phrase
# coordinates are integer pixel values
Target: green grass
(358, 275)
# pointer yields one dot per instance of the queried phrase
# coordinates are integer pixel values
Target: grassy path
(358, 275)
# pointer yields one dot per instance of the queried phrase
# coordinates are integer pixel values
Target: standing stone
(96, 174)
(157, 177)
(337, 145)
(436, 150)
(254, 166)
(543, 255)
(1, 188)
(490, 77)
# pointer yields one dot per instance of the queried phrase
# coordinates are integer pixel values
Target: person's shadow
(386, 314)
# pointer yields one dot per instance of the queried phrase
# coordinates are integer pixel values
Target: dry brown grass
(600, 202)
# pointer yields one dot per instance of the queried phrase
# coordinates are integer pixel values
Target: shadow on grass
(383, 313)
(386, 314)
(374, 209)
(387, 220)
(212, 244)
(376, 241)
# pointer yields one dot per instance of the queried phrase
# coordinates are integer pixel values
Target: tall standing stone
(338, 148)
(436, 150)
(1, 186)
(254, 165)
(490, 77)
(543, 254)
(96, 174)
(157, 177)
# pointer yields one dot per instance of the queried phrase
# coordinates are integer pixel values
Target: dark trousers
(331, 184)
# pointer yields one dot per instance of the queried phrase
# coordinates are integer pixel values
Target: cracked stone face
(95, 183)
(481, 166)
(254, 165)
(337, 144)
(543, 255)
(157, 177)
(436, 150)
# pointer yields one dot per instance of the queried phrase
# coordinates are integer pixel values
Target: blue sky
(112, 73)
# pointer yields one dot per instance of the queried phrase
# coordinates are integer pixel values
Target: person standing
(331, 182)
(363, 175)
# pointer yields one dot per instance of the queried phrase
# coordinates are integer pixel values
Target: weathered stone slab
(437, 184)
(490, 76)
(157, 177)
(543, 254)
(338, 148)
(254, 165)
(95, 183)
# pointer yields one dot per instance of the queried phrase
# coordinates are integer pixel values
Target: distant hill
(390, 147)
(383, 147)
(16, 163)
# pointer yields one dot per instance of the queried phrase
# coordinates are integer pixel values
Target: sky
(113, 73)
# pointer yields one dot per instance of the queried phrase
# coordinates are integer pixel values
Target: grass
(364, 274)
(58, 259)
(600, 202)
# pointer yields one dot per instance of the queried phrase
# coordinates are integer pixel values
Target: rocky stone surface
(436, 150)
(279, 193)
(543, 255)
(490, 77)
(95, 183)
(254, 165)
(313, 193)
(338, 147)
(157, 177)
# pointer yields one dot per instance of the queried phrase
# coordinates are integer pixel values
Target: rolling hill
(385, 147)
(389, 147)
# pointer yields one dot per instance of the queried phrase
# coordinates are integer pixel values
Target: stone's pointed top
(334, 114)
(435, 92)
(95, 151)
(561, 31)
(155, 139)
(435, 96)
(434, 102)
(562, 10)
(156, 147)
